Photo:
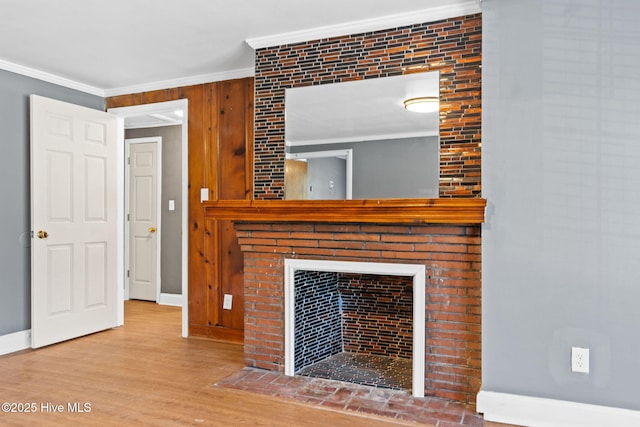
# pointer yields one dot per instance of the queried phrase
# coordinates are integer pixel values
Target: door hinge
(128, 272)
(128, 216)
(128, 160)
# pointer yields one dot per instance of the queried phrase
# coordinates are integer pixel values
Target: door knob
(42, 234)
(152, 229)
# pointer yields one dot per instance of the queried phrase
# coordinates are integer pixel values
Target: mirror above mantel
(356, 140)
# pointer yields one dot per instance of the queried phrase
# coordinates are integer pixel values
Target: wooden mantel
(385, 211)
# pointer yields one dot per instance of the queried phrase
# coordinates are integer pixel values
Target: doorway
(159, 110)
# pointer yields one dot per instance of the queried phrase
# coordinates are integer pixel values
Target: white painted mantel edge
(540, 412)
(417, 271)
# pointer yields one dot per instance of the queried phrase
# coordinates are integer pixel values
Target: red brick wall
(451, 255)
(452, 46)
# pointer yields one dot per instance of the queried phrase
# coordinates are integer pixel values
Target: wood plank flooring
(146, 374)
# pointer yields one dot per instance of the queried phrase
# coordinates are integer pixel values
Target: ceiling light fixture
(425, 104)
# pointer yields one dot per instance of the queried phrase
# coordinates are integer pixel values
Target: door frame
(137, 110)
(127, 194)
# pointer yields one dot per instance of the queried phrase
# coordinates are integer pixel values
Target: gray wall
(561, 173)
(15, 255)
(327, 178)
(171, 229)
(406, 167)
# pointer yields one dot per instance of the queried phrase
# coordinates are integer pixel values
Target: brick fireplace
(450, 254)
(442, 234)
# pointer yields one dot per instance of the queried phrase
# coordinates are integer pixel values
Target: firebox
(366, 319)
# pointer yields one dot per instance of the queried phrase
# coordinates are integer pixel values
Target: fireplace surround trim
(416, 271)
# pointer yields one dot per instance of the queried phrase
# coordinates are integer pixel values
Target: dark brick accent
(356, 313)
(377, 315)
(452, 46)
(318, 332)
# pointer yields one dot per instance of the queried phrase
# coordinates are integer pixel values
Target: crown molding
(391, 21)
(50, 78)
(104, 93)
(181, 82)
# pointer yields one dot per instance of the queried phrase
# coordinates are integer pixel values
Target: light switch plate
(204, 194)
(172, 205)
(227, 302)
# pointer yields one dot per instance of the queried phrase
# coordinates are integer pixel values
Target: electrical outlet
(580, 360)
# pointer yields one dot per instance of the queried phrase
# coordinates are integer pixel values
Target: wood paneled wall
(221, 159)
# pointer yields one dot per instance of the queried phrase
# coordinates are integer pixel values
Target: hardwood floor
(146, 374)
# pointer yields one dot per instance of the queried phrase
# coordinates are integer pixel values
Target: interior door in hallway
(143, 219)
(74, 283)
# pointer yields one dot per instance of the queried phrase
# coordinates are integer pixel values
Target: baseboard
(540, 412)
(17, 341)
(171, 299)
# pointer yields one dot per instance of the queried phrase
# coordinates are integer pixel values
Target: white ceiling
(361, 110)
(152, 120)
(122, 46)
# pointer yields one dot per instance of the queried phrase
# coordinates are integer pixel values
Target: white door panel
(143, 220)
(73, 203)
(59, 279)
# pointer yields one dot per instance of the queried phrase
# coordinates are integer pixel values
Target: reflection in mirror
(356, 140)
(319, 175)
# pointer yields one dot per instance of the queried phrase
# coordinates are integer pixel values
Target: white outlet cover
(580, 360)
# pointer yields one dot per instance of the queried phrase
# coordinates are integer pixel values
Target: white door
(74, 221)
(143, 220)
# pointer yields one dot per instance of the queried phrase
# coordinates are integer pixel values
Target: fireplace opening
(354, 327)
(356, 322)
